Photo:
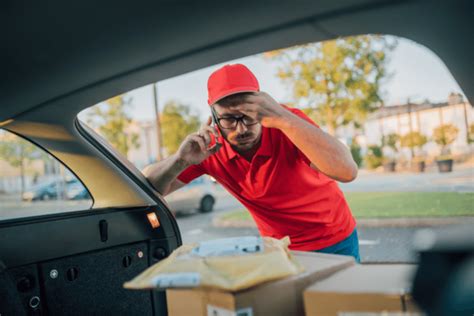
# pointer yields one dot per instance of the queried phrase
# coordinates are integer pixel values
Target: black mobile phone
(214, 118)
(215, 125)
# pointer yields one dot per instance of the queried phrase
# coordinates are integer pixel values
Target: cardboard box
(281, 297)
(363, 289)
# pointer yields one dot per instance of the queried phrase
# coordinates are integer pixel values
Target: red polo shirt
(284, 195)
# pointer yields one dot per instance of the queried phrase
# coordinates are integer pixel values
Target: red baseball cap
(228, 80)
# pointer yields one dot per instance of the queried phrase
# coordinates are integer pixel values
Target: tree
(471, 134)
(413, 140)
(390, 141)
(112, 121)
(445, 135)
(339, 80)
(177, 122)
(356, 152)
(18, 153)
(374, 156)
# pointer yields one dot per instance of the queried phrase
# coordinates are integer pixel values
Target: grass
(397, 204)
(410, 204)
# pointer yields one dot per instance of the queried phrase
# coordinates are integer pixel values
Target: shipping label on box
(219, 311)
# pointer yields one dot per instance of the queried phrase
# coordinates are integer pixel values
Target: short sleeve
(191, 173)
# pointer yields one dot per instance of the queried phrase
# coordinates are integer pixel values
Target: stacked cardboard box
(363, 290)
(281, 297)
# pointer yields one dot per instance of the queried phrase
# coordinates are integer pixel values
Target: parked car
(59, 58)
(199, 194)
(76, 191)
(51, 190)
(43, 191)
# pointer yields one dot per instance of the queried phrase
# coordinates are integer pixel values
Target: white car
(199, 194)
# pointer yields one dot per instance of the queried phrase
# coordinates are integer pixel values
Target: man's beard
(244, 142)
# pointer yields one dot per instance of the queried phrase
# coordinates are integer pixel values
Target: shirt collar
(265, 148)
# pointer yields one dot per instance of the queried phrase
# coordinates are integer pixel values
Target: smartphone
(215, 126)
(214, 119)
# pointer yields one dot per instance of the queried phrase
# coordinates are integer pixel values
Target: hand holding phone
(210, 133)
(198, 146)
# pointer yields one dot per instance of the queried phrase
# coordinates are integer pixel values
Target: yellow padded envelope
(192, 266)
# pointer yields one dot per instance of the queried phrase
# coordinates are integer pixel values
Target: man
(274, 160)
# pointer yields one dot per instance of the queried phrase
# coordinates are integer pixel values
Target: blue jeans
(348, 247)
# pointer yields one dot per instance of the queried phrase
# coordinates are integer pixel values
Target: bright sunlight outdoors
(407, 123)
(393, 102)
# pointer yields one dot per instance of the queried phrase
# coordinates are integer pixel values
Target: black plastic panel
(37, 240)
(27, 287)
(92, 284)
(93, 253)
(20, 292)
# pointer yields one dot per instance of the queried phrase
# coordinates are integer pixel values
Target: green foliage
(413, 140)
(471, 134)
(112, 120)
(374, 156)
(338, 79)
(391, 140)
(177, 122)
(410, 204)
(445, 135)
(356, 152)
(17, 151)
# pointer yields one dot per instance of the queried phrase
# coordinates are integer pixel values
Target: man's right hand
(195, 147)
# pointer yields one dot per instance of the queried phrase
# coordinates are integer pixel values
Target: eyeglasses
(232, 121)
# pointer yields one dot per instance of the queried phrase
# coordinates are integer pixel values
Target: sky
(417, 74)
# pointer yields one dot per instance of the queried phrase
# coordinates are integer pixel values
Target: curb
(371, 222)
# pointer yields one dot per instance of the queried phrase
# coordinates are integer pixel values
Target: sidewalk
(430, 168)
(460, 180)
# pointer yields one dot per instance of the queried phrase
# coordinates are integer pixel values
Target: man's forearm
(327, 153)
(164, 172)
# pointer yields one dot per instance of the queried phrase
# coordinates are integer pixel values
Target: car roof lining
(216, 51)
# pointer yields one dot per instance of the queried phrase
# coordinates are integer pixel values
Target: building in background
(400, 119)
(422, 117)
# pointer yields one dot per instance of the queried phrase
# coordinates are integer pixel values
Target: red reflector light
(153, 219)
